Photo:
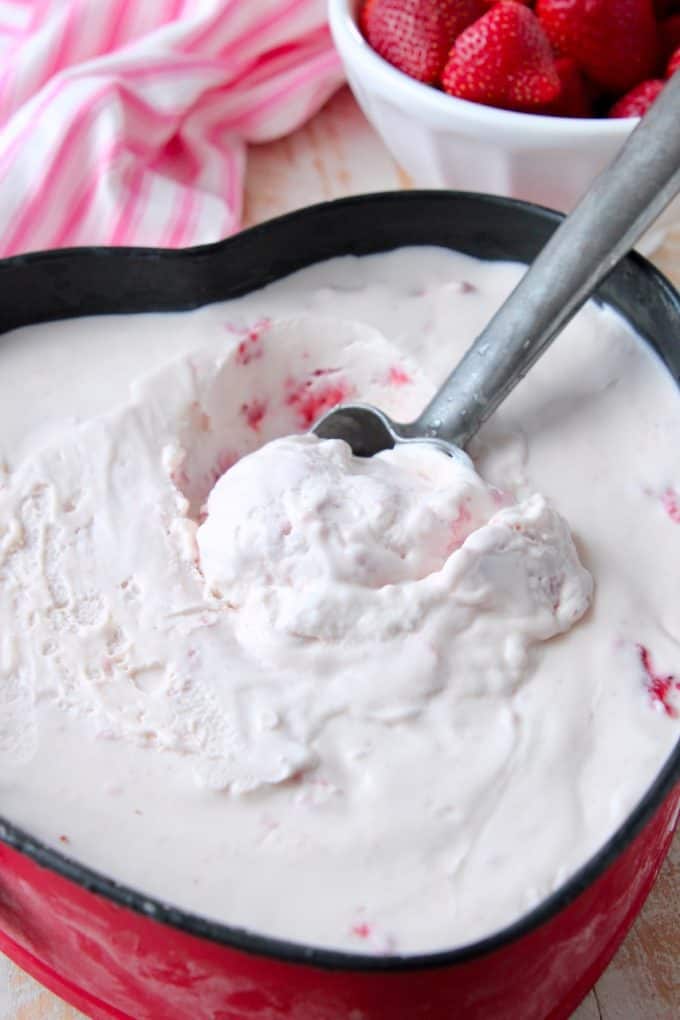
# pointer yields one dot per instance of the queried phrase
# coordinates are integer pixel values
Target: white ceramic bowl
(443, 142)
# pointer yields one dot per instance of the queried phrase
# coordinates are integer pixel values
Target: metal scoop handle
(623, 201)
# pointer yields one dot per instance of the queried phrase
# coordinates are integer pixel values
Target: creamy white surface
(186, 751)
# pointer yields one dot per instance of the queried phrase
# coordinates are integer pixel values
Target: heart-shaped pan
(116, 953)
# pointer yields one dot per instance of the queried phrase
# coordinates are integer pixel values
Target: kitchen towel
(127, 121)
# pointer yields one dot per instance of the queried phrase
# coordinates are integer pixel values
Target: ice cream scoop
(621, 204)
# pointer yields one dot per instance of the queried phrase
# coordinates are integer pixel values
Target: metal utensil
(622, 203)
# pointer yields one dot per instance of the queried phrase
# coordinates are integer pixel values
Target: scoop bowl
(368, 430)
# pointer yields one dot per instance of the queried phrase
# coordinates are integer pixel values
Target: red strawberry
(416, 35)
(662, 8)
(673, 64)
(364, 15)
(669, 36)
(503, 59)
(462, 13)
(636, 102)
(574, 98)
(614, 42)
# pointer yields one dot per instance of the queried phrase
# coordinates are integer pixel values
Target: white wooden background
(338, 154)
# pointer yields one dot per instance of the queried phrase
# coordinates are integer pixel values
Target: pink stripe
(176, 159)
(64, 163)
(62, 49)
(131, 207)
(39, 15)
(145, 111)
(172, 67)
(52, 92)
(250, 83)
(29, 214)
(309, 73)
(76, 212)
(260, 27)
(35, 22)
(273, 64)
(114, 29)
(79, 209)
(276, 91)
(210, 28)
(174, 10)
(115, 38)
(266, 74)
(56, 87)
(268, 66)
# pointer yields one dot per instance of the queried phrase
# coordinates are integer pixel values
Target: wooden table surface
(337, 154)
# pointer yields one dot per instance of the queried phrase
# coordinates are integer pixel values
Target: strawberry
(636, 102)
(364, 15)
(461, 14)
(416, 35)
(614, 42)
(673, 64)
(662, 8)
(503, 59)
(574, 98)
(669, 36)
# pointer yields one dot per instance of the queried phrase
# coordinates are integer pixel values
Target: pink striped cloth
(127, 121)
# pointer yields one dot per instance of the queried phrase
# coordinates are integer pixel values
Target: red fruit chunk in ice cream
(398, 377)
(310, 400)
(671, 504)
(253, 413)
(661, 688)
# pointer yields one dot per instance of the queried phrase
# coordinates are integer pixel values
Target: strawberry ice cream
(408, 555)
(330, 699)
